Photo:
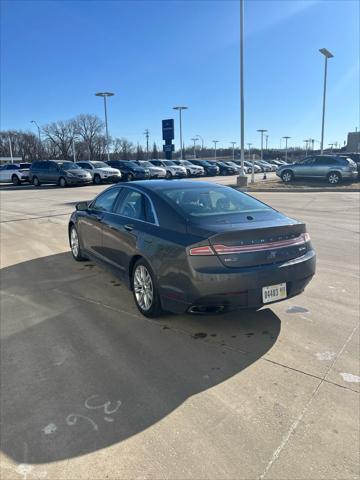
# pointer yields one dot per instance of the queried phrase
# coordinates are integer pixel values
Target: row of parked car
(63, 172)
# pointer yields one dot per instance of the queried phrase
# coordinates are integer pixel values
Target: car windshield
(69, 166)
(169, 162)
(99, 164)
(130, 164)
(208, 202)
(145, 164)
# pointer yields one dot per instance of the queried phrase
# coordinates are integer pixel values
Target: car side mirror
(82, 206)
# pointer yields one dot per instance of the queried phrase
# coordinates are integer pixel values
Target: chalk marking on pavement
(295, 424)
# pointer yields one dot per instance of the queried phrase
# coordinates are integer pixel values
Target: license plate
(274, 292)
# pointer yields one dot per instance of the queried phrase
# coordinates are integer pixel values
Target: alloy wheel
(286, 176)
(143, 287)
(74, 242)
(334, 178)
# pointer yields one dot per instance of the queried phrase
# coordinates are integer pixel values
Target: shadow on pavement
(82, 370)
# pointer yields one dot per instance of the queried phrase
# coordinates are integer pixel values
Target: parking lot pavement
(91, 389)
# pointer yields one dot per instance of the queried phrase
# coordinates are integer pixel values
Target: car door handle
(128, 227)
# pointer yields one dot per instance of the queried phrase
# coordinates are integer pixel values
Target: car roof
(155, 185)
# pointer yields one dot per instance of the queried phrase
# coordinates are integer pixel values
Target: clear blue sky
(156, 54)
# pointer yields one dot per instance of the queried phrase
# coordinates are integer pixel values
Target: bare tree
(89, 128)
(61, 134)
(123, 147)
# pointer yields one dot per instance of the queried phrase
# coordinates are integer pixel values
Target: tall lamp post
(242, 178)
(233, 150)
(286, 147)
(39, 135)
(249, 149)
(202, 143)
(262, 131)
(180, 108)
(194, 140)
(215, 142)
(147, 133)
(306, 147)
(327, 55)
(266, 142)
(105, 95)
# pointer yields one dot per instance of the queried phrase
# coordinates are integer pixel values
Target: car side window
(52, 167)
(105, 201)
(132, 205)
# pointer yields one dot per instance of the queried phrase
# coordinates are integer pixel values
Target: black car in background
(58, 172)
(226, 169)
(193, 247)
(210, 168)
(130, 170)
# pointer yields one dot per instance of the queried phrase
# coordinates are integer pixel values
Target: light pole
(249, 148)
(194, 140)
(215, 142)
(180, 108)
(39, 135)
(233, 149)
(266, 141)
(105, 95)
(147, 133)
(262, 131)
(11, 152)
(202, 142)
(286, 147)
(242, 178)
(306, 147)
(327, 55)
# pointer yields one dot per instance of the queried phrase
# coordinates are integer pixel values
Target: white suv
(191, 169)
(15, 173)
(101, 172)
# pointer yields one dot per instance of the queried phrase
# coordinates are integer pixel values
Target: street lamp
(39, 135)
(194, 140)
(180, 109)
(266, 141)
(249, 148)
(202, 142)
(105, 95)
(286, 147)
(262, 131)
(306, 147)
(327, 55)
(215, 142)
(242, 178)
(233, 149)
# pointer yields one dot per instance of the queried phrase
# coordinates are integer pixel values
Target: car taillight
(207, 250)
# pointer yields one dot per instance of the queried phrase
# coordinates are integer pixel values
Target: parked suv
(130, 170)
(192, 170)
(101, 172)
(210, 168)
(58, 172)
(332, 168)
(15, 173)
(155, 172)
(172, 170)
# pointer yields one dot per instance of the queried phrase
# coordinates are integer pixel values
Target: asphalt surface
(90, 389)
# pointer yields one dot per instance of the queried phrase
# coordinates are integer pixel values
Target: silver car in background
(331, 168)
(155, 171)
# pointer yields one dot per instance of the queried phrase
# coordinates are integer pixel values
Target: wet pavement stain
(165, 327)
(233, 336)
(250, 334)
(213, 335)
(116, 284)
(199, 335)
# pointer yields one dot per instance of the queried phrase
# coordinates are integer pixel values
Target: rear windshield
(213, 201)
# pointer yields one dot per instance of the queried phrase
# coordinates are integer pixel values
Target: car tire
(97, 179)
(145, 290)
(62, 182)
(168, 175)
(287, 176)
(15, 180)
(75, 245)
(36, 182)
(334, 178)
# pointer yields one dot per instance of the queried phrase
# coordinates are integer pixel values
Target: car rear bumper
(231, 289)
